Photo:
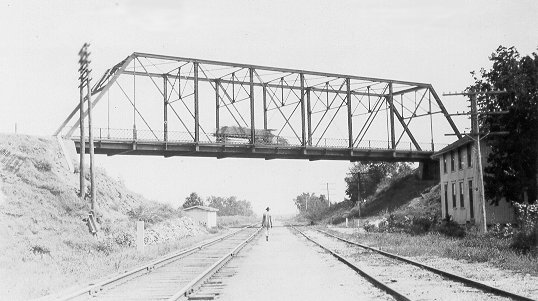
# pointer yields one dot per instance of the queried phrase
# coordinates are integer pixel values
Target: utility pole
(328, 195)
(476, 136)
(359, 197)
(85, 87)
(83, 77)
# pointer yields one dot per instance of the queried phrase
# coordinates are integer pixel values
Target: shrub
(525, 242)
(526, 239)
(422, 225)
(104, 246)
(396, 223)
(124, 239)
(370, 227)
(42, 165)
(502, 231)
(338, 220)
(451, 229)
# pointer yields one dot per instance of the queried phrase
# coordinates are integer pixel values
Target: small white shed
(204, 215)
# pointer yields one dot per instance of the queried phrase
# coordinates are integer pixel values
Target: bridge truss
(152, 104)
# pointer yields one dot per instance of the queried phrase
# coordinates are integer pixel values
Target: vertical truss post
(264, 106)
(349, 121)
(251, 96)
(309, 116)
(391, 109)
(134, 99)
(196, 112)
(431, 119)
(217, 106)
(303, 126)
(165, 112)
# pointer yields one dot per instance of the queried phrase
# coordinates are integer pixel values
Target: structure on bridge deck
(172, 106)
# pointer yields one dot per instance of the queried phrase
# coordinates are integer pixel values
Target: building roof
(454, 145)
(205, 208)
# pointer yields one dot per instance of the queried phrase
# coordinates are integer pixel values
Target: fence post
(346, 222)
(140, 236)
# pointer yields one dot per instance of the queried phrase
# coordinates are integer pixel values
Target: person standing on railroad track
(267, 223)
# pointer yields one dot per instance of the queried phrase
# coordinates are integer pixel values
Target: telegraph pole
(359, 197)
(85, 87)
(328, 195)
(84, 74)
(476, 136)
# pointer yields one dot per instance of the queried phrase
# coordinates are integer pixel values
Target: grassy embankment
(45, 244)
(404, 217)
(471, 248)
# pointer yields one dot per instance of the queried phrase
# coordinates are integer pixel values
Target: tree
(512, 163)
(230, 206)
(371, 175)
(193, 200)
(310, 205)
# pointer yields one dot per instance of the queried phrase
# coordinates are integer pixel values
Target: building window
(452, 159)
(460, 159)
(454, 195)
(446, 200)
(444, 163)
(471, 205)
(462, 202)
(469, 155)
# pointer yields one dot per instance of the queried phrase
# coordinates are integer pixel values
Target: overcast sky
(437, 42)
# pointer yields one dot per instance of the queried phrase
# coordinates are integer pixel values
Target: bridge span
(160, 105)
(331, 149)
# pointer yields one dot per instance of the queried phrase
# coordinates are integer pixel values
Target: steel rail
(99, 286)
(451, 276)
(196, 282)
(376, 282)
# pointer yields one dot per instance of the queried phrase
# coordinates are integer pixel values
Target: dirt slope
(43, 238)
(406, 194)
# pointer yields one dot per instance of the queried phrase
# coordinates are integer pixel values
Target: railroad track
(403, 278)
(173, 277)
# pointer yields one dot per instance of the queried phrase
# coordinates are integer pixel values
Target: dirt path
(288, 267)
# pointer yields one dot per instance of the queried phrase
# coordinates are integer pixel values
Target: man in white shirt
(267, 223)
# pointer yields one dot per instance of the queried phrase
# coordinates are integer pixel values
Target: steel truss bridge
(162, 105)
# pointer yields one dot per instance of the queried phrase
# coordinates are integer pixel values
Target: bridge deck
(268, 152)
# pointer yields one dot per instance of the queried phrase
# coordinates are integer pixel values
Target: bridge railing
(149, 136)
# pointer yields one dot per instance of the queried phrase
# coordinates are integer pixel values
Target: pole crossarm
(172, 99)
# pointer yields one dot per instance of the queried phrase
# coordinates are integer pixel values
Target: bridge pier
(429, 170)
